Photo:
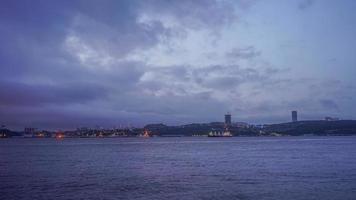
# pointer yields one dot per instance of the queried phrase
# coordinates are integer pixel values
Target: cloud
(71, 63)
(188, 14)
(70, 57)
(21, 94)
(329, 104)
(243, 53)
(304, 4)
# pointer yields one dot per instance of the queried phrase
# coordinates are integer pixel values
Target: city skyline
(66, 64)
(227, 121)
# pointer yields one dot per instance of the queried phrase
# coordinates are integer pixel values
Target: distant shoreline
(239, 129)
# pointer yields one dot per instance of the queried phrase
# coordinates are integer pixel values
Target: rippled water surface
(179, 168)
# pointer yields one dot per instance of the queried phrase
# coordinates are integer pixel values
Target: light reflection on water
(179, 168)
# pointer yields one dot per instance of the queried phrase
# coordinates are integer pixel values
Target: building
(294, 116)
(228, 119)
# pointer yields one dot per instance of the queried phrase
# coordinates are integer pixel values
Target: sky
(85, 63)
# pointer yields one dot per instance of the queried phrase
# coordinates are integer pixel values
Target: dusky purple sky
(73, 63)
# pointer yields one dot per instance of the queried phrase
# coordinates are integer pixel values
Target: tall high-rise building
(294, 116)
(228, 119)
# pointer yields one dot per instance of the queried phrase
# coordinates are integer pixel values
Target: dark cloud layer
(66, 63)
(56, 55)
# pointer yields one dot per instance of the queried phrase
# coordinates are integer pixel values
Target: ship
(225, 133)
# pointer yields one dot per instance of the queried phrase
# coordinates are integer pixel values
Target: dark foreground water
(179, 168)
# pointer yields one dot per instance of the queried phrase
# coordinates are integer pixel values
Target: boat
(225, 133)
